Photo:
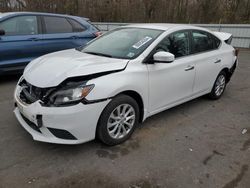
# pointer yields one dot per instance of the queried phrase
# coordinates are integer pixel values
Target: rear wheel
(118, 120)
(219, 86)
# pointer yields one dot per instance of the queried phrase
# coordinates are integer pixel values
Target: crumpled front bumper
(62, 125)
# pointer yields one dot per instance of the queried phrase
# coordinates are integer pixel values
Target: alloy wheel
(220, 85)
(121, 121)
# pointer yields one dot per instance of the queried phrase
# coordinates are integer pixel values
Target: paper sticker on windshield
(130, 54)
(142, 42)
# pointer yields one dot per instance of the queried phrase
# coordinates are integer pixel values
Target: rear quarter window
(93, 26)
(77, 27)
(217, 42)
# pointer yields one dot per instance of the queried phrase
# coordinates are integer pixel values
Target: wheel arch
(228, 73)
(137, 97)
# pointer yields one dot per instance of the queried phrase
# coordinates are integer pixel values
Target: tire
(219, 86)
(113, 127)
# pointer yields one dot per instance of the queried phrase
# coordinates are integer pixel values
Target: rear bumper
(61, 125)
(232, 69)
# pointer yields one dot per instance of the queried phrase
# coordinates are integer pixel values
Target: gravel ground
(197, 144)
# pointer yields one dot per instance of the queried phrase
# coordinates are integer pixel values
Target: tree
(180, 11)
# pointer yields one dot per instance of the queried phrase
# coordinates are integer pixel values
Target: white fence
(241, 33)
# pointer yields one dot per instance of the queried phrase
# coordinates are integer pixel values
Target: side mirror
(164, 57)
(2, 32)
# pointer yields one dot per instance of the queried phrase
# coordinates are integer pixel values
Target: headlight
(70, 95)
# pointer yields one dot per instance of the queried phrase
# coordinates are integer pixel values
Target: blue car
(25, 36)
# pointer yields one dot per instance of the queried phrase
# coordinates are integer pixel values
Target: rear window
(57, 25)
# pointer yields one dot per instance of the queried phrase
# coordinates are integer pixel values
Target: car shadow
(5, 79)
(181, 109)
(133, 141)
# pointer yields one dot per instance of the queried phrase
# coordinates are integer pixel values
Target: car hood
(52, 69)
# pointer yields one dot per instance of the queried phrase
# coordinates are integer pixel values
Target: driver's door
(171, 83)
(21, 42)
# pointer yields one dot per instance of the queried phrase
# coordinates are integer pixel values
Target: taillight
(236, 52)
(97, 34)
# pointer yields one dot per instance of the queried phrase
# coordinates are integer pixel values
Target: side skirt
(177, 103)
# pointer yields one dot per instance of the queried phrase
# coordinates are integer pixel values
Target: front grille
(31, 124)
(30, 93)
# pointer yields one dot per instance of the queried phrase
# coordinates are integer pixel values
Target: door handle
(189, 68)
(74, 37)
(34, 39)
(217, 61)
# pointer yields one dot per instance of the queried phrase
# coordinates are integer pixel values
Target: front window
(176, 43)
(21, 25)
(125, 43)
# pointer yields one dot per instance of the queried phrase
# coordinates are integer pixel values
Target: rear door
(61, 33)
(21, 42)
(207, 58)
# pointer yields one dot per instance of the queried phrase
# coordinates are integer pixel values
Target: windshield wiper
(99, 54)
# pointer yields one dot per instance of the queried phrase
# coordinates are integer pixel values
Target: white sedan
(104, 89)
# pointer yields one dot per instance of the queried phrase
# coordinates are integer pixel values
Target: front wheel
(219, 86)
(118, 120)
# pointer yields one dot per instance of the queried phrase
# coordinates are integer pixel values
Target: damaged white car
(103, 90)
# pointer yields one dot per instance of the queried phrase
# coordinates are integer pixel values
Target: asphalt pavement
(201, 143)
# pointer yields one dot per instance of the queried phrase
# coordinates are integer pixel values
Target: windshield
(124, 43)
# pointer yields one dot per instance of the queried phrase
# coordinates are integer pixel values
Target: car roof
(165, 27)
(9, 14)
